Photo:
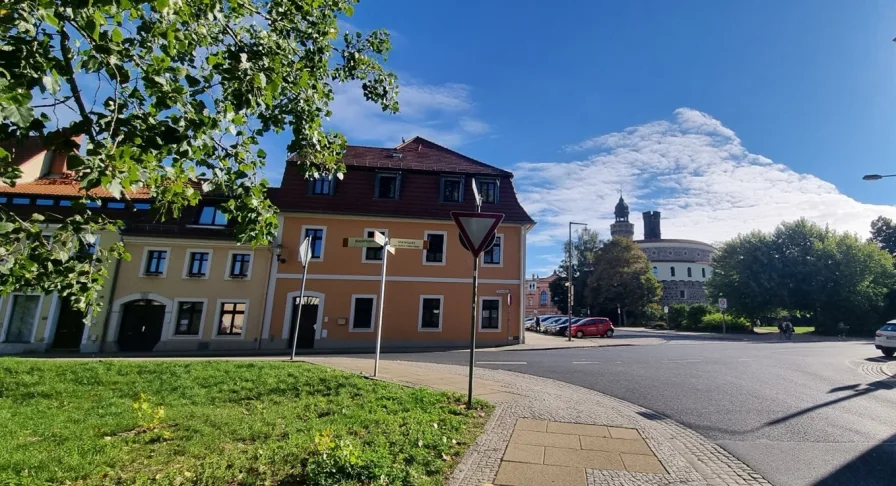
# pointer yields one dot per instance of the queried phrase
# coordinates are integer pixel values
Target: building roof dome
(621, 210)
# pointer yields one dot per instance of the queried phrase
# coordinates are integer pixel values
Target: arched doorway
(306, 327)
(141, 325)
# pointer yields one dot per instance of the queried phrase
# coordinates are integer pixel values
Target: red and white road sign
(476, 228)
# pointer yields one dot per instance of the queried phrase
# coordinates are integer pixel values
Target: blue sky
(726, 116)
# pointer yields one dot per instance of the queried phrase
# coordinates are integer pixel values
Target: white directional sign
(723, 303)
(379, 238)
(360, 243)
(476, 228)
(476, 191)
(666, 309)
(305, 251)
(407, 243)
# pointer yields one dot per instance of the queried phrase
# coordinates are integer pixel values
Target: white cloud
(443, 113)
(693, 169)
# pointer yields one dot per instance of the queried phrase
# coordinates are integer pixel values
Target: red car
(593, 326)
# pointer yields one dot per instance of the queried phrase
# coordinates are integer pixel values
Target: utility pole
(569, 283)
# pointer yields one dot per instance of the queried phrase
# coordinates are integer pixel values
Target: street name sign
(408, 243)
(360, 243)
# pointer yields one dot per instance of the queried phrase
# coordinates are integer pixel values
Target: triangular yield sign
(476, 228)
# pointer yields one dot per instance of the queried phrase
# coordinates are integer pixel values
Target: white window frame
(176, 312)
(8, 316)
(323, 242)
(420, 327)
(230, 254)
(146, 250)
(532, 286)
(444, 247)
(351, 317)
(501, 255)
(500, 313)
(364, 259)
(218, 305)
(189, 255)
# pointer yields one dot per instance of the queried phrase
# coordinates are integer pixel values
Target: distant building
(622, 228)
(538, 296)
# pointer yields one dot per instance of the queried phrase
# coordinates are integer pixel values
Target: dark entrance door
(69, 328)
(141, 325)
(309, 319)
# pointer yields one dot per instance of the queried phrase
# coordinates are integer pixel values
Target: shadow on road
(875, 464)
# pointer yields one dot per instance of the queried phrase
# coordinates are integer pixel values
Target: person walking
(788, 330)
(780, 331)
(841, 330)
(537, 324)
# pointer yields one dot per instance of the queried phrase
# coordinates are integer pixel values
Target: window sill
(489, 330)
(184, 336)
(434, 264)
(360, 330)
(228, 336)
(429, 330)
(376, 262)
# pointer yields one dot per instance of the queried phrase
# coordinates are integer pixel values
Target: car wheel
(888, 352)
(580, 334)
(609, 333)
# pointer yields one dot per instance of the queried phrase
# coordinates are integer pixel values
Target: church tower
(622, 228)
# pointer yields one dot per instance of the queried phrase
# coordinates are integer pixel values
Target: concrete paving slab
(578, 429)
(521, 474)
(564, 441)
(530, 424)
(642, 464)
(525, 453)
(615, 445)
(588, 459)
(621, 433)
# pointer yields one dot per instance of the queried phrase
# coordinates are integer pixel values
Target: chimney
(652, 225)
(57, 164)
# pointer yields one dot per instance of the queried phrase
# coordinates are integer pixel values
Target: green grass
(224, 423)
(796, 330)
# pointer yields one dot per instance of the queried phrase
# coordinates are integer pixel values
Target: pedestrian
(537, 324)
(788, 330)
(841, 330)
(780, 331)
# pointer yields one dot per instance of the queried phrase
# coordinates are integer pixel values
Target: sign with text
(407, 243)
(360, 243)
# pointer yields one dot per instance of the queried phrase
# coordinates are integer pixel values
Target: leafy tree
(622, 276)
(168, 94)
(584, 247)
(883, 232)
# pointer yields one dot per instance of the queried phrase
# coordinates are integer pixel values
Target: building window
(373, 253)
(488, 190)
(387, 186)
(436, 251)
(672, 269)
(490, 314)
(452, 189)
(44, 202)
(240, 264)
(142, 206)
(531, 286)
(198, 264)
(656, 272)
(322, 186)
(94, 204)
(682, 294)
(689, 272)
(231, 319)
(22, 318)
(543, 298)
(115, 205)
(64, 203)
(21, 200)
(156, 261)
(430, 313)
(189, 318)
(362, 312)
(88, 244)
(317, 241)
(212, 216)
(703, 271)
(492, 256)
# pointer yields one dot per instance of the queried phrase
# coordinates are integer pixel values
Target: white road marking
(682, 361)
(502, 362)
(586, 362)
(746, 359)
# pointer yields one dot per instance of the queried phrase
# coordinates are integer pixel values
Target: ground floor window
(232, 317)
(490, 314)
(362, 312)
(430, 313)
(189, 318)
(22, 318)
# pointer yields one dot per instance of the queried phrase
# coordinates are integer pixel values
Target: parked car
(885, 339)
(550, 326)
(593, 326)
(560, 328)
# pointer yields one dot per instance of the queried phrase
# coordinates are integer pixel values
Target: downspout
(267, 288)
(111, 299)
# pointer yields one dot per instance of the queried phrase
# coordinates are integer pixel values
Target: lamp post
(569, 283)
(876, 177)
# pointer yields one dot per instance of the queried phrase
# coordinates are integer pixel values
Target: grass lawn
(796, 330)
(223, 423)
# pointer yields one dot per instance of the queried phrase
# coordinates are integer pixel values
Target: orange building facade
(405, 192)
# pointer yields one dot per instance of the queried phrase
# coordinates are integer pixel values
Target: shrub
(713, 322)
(695, 315)
(677, 315)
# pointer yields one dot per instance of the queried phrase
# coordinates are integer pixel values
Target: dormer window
(488, 190)
(387, 186)
(452, 189)
(322, 186)
(212, 216)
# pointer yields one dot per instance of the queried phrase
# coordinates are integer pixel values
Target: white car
(885, 339)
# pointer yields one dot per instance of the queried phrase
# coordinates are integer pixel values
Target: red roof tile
(63, 186)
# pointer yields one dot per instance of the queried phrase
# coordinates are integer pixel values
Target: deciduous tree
(622, 276)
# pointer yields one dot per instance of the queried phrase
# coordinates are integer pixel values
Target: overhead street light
(876, 177)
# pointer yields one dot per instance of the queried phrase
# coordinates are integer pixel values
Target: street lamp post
(569, 283)
(876, 177)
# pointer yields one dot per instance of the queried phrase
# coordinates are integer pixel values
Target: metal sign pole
(473, 333)
(379, 320)
(306, 259)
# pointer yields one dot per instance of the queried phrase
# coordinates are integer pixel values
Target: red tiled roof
(63, 186)
(421, 164)
(24, 150)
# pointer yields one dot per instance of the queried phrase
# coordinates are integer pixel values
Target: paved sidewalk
(545, 432)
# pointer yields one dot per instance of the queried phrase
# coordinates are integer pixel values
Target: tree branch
(55, 103)
(72, 82)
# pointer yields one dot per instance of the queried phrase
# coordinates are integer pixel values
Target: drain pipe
(109, 311)
(267, 288)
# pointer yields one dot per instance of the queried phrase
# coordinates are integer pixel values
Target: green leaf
(6, 227)
(116, 35)
(19, 115)
(51, 83)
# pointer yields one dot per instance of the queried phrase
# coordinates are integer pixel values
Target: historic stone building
(538, 296)
(681, 266)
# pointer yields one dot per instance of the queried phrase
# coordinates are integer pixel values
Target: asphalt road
(798, 413)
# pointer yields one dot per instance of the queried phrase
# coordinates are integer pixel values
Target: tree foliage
(622, 276)
(883, 232)
(584, 247)
(803, 268)
(169, 94)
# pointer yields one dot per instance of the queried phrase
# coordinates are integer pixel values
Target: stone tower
(652, 225)
(622, 228)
